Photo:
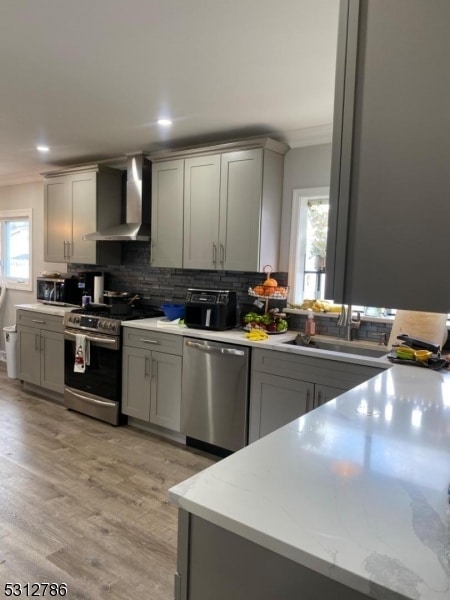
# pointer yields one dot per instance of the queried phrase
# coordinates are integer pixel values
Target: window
(307, 256)
(15, 248)
(309, 228)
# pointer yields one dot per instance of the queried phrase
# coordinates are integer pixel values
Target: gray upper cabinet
(167, 214)
(201, 222)
(77, 202)
(229, 205)
(390, 177)
(249, 222)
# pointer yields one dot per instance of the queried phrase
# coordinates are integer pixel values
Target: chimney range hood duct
(138, 203)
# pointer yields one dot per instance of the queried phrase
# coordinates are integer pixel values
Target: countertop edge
(275, 342)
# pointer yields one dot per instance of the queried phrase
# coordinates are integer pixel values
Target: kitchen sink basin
(359, 348)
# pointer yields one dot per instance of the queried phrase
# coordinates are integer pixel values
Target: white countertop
(48, 309)
(355, 490)
(275, 342)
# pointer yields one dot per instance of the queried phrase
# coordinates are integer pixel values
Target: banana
(256, 335)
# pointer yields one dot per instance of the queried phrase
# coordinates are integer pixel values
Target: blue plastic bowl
(173, 311)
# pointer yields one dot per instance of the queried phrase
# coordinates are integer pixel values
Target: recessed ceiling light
(164, 122)
(43, 148)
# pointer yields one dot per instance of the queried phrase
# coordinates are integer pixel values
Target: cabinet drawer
(153, 340)
(316, 370)
(39, 320)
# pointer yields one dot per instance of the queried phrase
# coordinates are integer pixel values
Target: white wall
(26, 195)
(305, 167)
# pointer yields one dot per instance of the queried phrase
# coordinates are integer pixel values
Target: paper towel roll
(99, 282)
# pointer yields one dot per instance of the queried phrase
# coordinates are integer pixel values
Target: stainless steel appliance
(137, 209)
(97, 391)
(214, 407)
(90, 282)
(210, 309)
(61, 290)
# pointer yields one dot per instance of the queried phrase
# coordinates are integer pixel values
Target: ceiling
(90, 78)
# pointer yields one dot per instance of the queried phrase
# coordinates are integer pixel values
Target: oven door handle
(91, 338)
(92, 400)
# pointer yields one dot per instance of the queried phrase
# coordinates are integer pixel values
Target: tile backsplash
(158, 285)
(370, 331)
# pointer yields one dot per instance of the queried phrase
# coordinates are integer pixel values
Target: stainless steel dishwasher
(214, 407)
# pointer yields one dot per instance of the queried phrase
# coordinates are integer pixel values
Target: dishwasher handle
(215, 349)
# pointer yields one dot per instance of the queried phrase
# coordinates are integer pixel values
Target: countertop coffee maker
(92, 284)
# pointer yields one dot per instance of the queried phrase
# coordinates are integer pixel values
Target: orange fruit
(270, 282)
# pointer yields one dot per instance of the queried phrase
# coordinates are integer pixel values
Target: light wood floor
(85, 503)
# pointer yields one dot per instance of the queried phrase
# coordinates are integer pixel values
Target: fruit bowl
(275, 292)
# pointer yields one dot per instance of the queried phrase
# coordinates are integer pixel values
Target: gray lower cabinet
(151, 384)
(213, 562)
(275, 401)
(40, 350)
(286, 386)
(324, 393)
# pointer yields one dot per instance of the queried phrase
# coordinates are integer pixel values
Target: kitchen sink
(359, 348)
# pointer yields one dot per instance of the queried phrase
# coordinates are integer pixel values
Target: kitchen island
(349, 501)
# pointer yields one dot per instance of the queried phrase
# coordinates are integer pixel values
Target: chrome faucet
(345, 320)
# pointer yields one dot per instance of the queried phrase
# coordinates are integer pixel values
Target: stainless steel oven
(96, 391)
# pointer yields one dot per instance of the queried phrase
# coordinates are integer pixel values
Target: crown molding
(20, 179)
(311, 136)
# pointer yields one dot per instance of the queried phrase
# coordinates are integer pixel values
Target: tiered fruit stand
(273, 320)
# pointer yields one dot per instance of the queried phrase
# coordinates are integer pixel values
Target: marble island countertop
(356, 490)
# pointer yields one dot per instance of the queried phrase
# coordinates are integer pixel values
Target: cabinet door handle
(146, 341)
(69, 249)
(38, 321)
(146, 371)
(308, 400)
(214, 254)
(222, 254)
(66, 249)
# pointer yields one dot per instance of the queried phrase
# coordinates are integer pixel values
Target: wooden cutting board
(430, 327)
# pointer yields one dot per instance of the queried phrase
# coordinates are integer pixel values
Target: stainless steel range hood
(138, 205)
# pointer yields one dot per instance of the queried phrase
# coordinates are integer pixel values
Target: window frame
(16, 215)
(297, 245)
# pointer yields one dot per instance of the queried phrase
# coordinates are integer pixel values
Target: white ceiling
(90, 78)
